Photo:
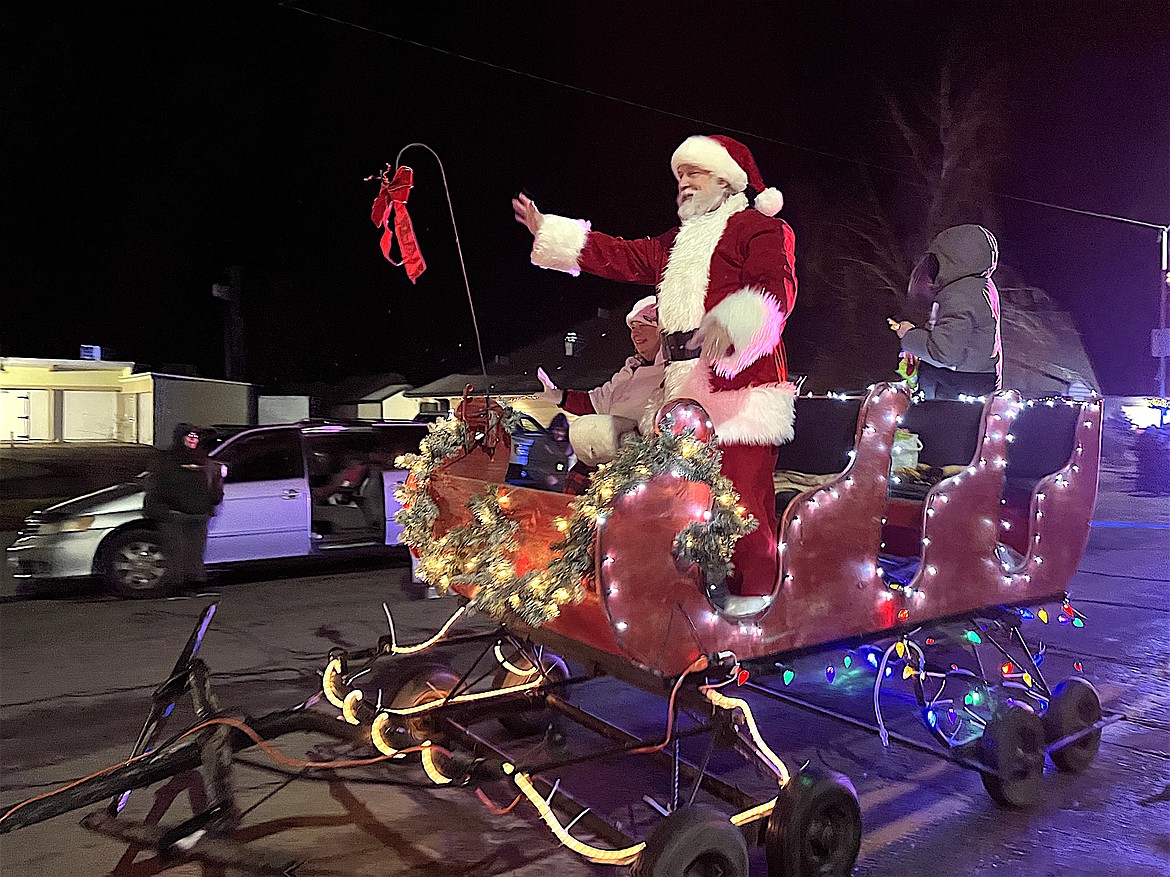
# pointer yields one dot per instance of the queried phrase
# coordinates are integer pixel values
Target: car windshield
(529, 426)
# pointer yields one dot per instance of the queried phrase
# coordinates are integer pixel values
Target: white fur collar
(684, 282)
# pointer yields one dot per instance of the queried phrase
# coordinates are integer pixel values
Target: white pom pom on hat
(731, 160)
(769, 202)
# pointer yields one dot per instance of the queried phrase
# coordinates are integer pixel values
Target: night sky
(147, 147)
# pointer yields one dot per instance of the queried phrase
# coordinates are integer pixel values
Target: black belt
(674, 347)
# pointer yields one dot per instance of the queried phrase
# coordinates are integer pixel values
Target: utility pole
(1161, 345)
(233, 323)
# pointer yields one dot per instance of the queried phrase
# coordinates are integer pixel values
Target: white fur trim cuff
(710, 155)
(754, 320)
(761, 415)
(769, 202)
(764, 415)
(559, 243)
(597, 438)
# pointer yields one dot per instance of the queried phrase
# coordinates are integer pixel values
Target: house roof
(193, 378)
(602, 347)
(1043, 352)
(494, 385)
(59, 365)
(356, 388)
(385, 392)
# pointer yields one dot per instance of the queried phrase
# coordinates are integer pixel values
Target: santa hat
(646, 310)
(732, 161)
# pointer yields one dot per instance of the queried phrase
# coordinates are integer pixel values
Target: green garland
(478, 554)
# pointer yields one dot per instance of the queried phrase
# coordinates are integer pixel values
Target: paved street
(77, 673)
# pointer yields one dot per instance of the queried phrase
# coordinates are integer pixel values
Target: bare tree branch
(887, 282)
(910, 138)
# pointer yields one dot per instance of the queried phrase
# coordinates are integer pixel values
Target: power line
(289, 4)
(1124, 219)
(579, 89)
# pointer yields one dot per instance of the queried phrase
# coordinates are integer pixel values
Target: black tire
(1012, 747)
(1074, 707)
(527, 722)
(137, 564)
(693, 842)
(815, 828)
(418, 685)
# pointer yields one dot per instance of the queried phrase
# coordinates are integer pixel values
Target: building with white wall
(68, 400)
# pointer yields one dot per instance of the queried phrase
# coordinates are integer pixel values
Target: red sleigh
(906, 580)
(1003, 530)
(641, 607)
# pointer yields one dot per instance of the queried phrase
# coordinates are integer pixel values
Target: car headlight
(72, 525)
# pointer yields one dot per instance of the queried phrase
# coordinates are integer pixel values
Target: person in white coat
(623, 405)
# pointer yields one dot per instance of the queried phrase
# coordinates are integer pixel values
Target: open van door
(265, 509)
(352, 478)
(394, 440)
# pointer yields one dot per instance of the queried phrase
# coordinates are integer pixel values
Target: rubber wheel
(527, 722)
(1012, 746)
(136, 564)
(420, 685)
(815, 828)
(1074, 707)
(693, 842)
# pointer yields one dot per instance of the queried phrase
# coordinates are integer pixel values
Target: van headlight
(72, 525)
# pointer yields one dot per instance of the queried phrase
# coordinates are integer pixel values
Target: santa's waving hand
(726, 282)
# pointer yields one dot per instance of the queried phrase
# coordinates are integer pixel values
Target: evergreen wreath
(479, 553)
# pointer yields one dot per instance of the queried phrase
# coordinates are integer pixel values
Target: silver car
(289, 491)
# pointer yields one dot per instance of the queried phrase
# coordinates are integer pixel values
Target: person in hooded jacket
(959, 349)
(182, 495)
(549, 456)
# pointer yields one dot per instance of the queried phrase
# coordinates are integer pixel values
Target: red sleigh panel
(641, 604)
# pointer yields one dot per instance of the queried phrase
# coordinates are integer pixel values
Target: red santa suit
(734, 267)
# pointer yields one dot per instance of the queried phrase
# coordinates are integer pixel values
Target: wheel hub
(141, 563)
(826, 833)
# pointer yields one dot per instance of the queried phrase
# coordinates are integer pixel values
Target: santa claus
(726, 282)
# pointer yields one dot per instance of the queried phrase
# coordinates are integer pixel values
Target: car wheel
(525, 722)
(1012, 748)
(815, 827)
(1074, 707)
(419, 685)
(137, 564)
(693, 842)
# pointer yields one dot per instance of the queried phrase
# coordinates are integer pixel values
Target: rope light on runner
(594, 854)
(464, 698)
(734, 703)
(430, 767)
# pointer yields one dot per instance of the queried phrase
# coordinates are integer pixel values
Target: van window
(394, 441)
(330, 452)
(265, 456)
(333, 453)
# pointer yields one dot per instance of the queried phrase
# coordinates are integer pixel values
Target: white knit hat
(646, 310)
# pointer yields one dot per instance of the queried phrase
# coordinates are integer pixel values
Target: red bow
(394, 193)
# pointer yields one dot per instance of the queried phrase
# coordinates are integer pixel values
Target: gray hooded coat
(964, 333)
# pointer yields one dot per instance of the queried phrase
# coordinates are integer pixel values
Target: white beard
(701, 202)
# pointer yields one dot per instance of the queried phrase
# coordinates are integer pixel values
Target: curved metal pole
(458, 246)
